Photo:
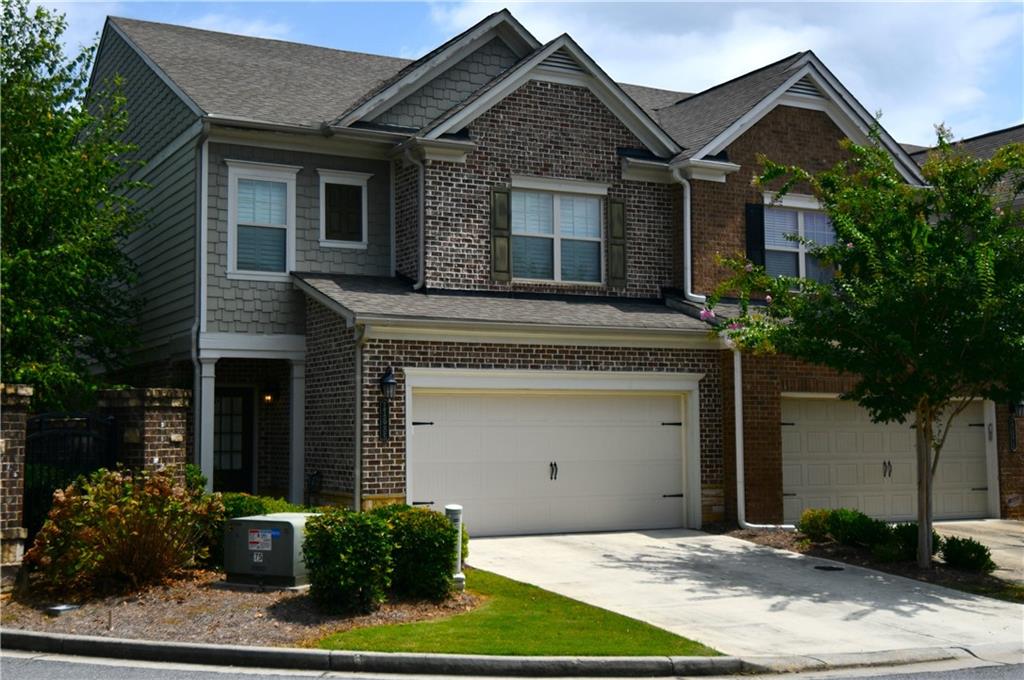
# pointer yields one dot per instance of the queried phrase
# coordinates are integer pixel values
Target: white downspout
(687, 242)
(741, 486)
(359, 339)
(421, 277)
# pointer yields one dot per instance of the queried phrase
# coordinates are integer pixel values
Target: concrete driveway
(1004, 537)
(745, 599)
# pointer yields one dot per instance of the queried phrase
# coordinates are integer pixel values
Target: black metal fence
(58, 448)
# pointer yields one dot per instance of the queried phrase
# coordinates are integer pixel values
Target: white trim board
(686, 385)
(251, 346)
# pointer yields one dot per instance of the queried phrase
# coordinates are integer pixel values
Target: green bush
(195, 480)
(903, 542)
(348, 558)
(117, 531)
(854, 528)
(424, 554)
(967, 554)
(389, 511)
(814, 523)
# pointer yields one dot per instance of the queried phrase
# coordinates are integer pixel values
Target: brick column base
(14, 405)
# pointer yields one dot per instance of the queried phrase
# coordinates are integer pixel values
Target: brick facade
(407, 196)
(14, 405)
(384, 468)
(546, 130)
(1011, 464)
(786, 135)
(330, 402)
(153, 426)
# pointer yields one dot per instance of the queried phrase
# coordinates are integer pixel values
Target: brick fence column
(153, 425)
(14, 402)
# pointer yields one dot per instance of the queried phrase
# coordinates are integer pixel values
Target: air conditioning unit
(266, 549)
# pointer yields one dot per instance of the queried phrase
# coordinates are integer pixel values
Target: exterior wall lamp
(268, 395)
(387, 383)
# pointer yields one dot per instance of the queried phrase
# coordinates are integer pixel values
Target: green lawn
(519, 619)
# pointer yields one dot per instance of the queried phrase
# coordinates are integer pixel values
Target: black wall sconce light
(387, 393)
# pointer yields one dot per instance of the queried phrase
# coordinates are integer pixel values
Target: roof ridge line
(732, 80)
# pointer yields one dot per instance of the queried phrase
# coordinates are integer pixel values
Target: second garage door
(525, 463)
(834, 456)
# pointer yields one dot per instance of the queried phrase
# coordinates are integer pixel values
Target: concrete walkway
(744, 599)
(1004, 537)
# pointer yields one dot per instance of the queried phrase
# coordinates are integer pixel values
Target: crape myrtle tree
(64, 280)
(926, 306)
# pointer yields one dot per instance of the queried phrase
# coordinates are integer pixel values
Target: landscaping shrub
(814, 523)
(388, 512)
(195, 480)
(424, 553)
(967, 554)
(118, 530)
(348, 558)
(854, 528)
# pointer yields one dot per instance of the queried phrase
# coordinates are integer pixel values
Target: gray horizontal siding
(163, 249)
(452, 87)
(239, 306)
(156, 115)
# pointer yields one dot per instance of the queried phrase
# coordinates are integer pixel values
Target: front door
(232, 440)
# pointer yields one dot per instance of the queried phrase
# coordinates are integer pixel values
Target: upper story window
(261, 220)
(784, 257)
(556, 237)
(343, 209)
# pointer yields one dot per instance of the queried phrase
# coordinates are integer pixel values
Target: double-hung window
(343, 211)
(557, 237)
(261, 220)
(785, 257)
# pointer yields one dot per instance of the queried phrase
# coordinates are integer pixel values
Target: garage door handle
(556, 470)
(423, 502)
(671, 495)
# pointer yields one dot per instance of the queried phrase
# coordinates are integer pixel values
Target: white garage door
(833, 456)
(525, 463)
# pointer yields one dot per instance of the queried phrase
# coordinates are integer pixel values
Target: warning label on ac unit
(261, 539)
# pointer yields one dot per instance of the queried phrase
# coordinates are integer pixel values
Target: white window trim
(797, 201)
(556, 236)
(798, 246)
(265, 172)
(355, 179)
(556, 185)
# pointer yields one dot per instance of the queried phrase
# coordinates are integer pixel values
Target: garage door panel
(615, 460)
(872, 467)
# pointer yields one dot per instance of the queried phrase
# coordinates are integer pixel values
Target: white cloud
(919, 63)
(227, 23)
(84, 21)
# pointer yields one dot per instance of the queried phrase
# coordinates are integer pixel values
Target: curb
(457, 664)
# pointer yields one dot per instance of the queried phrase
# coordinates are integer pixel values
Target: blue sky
(919, 63)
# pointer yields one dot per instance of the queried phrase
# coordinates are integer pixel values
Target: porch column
(204, 423)
(297, 432)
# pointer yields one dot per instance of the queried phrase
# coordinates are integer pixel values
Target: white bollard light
(454, 515)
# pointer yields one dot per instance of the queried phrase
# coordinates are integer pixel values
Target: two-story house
(476, 277)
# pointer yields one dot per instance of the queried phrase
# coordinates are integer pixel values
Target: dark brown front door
(232, 440)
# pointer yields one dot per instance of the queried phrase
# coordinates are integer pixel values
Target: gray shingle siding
(156, 115)
(240, 306)
(450, 88)
(163, 249)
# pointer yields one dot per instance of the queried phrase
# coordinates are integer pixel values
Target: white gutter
(421, 277)
(687, 241)
(741, 493)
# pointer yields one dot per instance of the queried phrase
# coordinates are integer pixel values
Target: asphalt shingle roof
(375, 298)
(698, 119)
(651, 99)
(982, 146)
(259, 79)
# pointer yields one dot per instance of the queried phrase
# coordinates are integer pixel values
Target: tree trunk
(923, 428)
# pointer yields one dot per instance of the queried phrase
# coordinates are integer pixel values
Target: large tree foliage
(926, 308)
(66, 300)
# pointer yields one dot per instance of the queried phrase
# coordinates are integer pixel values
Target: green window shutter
(755, 233)
(616, 243)
(501, 236)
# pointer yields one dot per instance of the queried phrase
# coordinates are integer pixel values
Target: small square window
(556, 237)
(343, 209)
(786, 257)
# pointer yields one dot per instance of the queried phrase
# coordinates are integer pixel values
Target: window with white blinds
(556, 237)
(261, 207)
(786, 257)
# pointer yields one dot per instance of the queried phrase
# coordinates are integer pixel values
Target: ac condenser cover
(266, 549)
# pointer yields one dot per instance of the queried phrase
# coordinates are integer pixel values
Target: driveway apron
(746, 599)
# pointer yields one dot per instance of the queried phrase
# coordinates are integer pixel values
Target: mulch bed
(192, 609)
(939, 574)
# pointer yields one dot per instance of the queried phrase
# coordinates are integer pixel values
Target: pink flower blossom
(735, 326)
(849, 246)
(749, 267)
(768, 299)
(707, 314)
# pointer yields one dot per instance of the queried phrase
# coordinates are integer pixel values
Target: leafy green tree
(64, 280)
(926, 307)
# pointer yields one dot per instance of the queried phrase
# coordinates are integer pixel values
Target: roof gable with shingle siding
(156, 114)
